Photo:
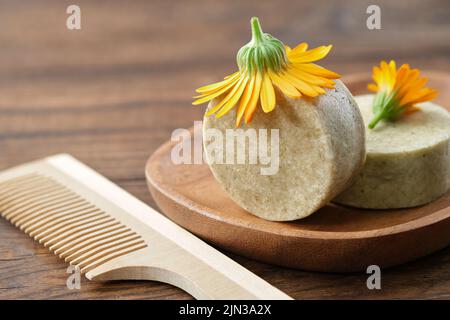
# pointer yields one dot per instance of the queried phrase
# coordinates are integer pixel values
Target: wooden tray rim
(165, 189)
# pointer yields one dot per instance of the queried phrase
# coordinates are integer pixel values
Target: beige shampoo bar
(408, 161)
(321, 148)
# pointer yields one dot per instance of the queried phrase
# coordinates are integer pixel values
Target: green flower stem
(385, 107)
(380, 115)
(257, 33)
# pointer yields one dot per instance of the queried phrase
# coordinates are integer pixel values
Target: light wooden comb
(110, 235)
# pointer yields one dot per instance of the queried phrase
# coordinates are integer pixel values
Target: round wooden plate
(334, 239)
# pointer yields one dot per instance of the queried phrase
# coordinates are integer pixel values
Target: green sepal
(385, 106)
(262, 52)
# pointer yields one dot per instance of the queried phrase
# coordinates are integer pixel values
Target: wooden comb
(110, 235)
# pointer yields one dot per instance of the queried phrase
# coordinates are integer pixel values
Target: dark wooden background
(112, 92)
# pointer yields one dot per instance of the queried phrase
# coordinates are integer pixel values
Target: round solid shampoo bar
(321, 149)
(408, 161)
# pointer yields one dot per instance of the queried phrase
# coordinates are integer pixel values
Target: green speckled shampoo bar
(321, 150)
(408, 161)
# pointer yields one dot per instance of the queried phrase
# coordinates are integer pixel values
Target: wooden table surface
(113, 91)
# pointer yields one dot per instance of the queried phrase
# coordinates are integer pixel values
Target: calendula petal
(267, 94)
(246, 97)
(251, 107)
(412, 90)
(387, 78)
(232, 75)
(311, 55)
(372, 87)
(377, 75)
(318, 89)
(217, 93)
(229, 96)
(232, 102)
(393, 68)
(226, 84)
(410, 109)
(412, 75)
(417, 96)
(313, 82)
(302, 47)
(401, 76)
(301, 85)
(285, 86)
(418, 84)
(317, 70)
(311, 78)
(429, 96)
(218, 85)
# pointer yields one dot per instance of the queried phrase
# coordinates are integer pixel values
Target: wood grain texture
(112, 92)
(110, 235)
(334, 239)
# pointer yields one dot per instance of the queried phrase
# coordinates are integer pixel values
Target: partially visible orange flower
(398, 91)
(264, 63)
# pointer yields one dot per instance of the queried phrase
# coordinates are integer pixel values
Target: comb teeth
(70, 226)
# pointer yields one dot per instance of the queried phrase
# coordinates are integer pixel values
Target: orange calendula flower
(263, 63)
(398, 90)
